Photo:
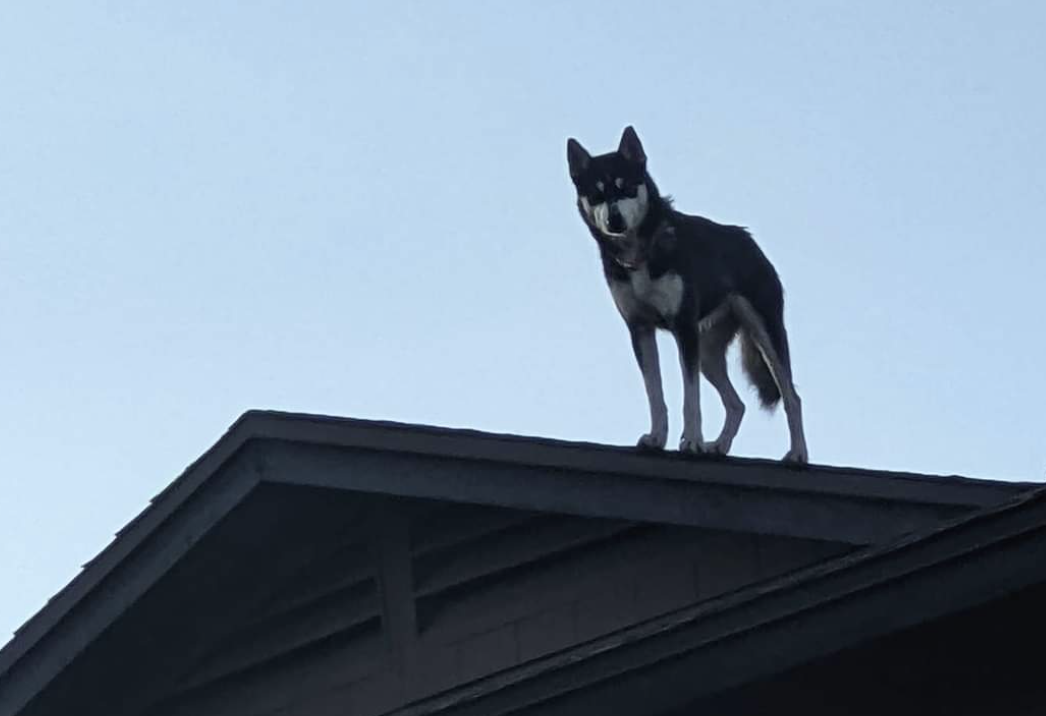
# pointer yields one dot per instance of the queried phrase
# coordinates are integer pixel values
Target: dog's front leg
(686, 334)
(644, 344)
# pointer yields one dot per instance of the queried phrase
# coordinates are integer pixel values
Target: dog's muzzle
(615, 221)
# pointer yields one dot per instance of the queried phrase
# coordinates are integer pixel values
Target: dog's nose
(614, 221)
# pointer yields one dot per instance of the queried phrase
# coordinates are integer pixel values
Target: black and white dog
(702, 281)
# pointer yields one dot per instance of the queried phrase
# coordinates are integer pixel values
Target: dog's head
(613, 188)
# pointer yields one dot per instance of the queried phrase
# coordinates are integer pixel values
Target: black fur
(716, 260)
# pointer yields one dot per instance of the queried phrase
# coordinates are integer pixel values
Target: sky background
(363, 209)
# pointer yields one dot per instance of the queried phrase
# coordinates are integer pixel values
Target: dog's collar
(613, 240)
(663, 227)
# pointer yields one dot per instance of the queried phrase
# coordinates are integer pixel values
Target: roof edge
(125, 543)
(435, 441)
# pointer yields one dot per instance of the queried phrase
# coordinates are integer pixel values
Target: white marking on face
(632, 209)
(586, 207)
(599, 185)
(619, 182)
(601, 215)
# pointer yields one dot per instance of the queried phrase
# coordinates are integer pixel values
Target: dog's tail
(768, 319)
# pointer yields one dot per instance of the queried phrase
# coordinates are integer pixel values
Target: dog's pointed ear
(577, 157)
(630, 147)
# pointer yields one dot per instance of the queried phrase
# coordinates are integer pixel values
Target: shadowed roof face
(294, 454)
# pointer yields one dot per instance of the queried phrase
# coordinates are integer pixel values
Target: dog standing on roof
(704, 282)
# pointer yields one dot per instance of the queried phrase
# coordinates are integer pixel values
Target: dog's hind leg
(714, 343)
(756, 331)
(644, 345)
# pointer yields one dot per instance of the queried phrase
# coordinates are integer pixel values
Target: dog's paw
(719, 447)
(653, 440)
(796, 456)
(692, 447)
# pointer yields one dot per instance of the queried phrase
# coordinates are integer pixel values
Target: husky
(704, 282)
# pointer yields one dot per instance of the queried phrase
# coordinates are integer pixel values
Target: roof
(771, 627)
(859, 507)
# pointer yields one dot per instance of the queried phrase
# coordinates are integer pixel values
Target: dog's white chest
(643, 296)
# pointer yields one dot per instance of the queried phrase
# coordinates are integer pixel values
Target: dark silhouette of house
(311, 566)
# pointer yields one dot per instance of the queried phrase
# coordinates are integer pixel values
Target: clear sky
(364, 209)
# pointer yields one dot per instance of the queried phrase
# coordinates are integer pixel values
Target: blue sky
(364, 210)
